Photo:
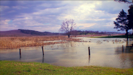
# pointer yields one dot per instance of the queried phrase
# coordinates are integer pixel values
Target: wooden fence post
(20, 53)
(89, 50)
(42, 51)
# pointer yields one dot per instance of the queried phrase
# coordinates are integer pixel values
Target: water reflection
(43, 59)
(128, 48)
(103, 51)
(126, 54)
(89, 58)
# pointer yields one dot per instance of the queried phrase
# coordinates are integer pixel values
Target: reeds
(16, 42)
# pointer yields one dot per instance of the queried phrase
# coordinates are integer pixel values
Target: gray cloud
(112, 7)
(48, 15)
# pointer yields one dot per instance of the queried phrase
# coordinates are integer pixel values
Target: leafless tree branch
(68, 26)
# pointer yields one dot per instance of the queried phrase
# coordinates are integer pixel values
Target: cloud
(2, 8)
(6, 25)
(83, 26)
(48, 15)
(112, 7)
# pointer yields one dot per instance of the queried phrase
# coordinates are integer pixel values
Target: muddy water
(103, 52)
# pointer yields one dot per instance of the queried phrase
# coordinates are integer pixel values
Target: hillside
(22, 32)
(33, 32)
(13, 33)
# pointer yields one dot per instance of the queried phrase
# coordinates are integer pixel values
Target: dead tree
(68, 26)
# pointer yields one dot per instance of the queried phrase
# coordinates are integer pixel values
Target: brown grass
(16, 42)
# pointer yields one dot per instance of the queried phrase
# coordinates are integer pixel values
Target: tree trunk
(132, 31)
(68, 35)
(127, 36)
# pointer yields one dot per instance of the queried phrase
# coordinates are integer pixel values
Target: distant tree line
(88, 32)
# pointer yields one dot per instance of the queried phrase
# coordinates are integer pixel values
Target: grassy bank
(16, 42)
(117, 36)
(33, 68)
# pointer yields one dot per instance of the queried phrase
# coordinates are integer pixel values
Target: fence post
(20, 53)
(42, 51)
(89, 50)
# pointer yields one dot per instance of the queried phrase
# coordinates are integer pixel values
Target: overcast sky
(49, 15)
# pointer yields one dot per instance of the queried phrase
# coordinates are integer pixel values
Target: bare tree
(68, 26)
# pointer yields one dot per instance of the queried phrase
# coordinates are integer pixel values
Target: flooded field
(108, 52)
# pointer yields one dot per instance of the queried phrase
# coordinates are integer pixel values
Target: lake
(106, 52)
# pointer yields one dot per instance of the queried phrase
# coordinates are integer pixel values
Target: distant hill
(13, 33)
(33, 32)
(23, 32)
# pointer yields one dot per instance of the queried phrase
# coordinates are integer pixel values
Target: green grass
(34, 68)
(118, 36)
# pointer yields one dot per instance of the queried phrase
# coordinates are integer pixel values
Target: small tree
(68, 26)
(121, 22)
